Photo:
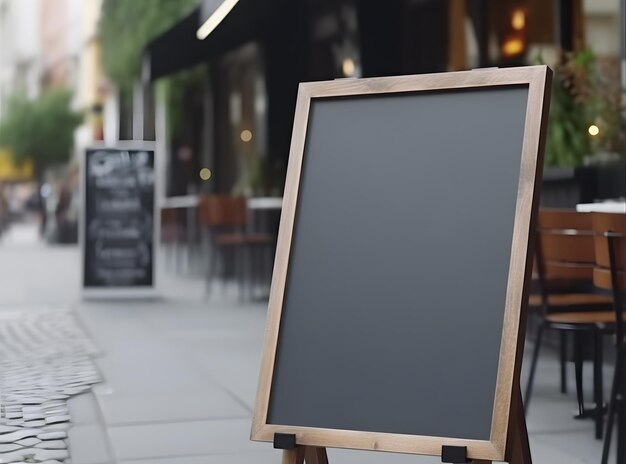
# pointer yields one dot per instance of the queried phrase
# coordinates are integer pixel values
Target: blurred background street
(172, 379)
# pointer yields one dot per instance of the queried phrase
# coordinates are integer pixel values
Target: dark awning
(179, 48)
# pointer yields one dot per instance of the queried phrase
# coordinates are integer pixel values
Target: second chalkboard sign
(396, 313)
(118, 225)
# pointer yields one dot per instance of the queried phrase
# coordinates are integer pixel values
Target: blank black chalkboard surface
(396, 312)
(118, 223)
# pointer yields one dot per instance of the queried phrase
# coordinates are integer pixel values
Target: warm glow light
(594, 130)
(518, 20)
(215, 19)
(246, 135)
(512, 46)
(348, 67)
(205, 173)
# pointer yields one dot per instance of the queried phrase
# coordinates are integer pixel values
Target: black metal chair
(610, 274)
(224, 220)
(567, 301)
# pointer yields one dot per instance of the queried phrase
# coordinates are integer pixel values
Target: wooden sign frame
(507, 400)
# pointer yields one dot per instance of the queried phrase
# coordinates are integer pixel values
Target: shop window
(242, 123)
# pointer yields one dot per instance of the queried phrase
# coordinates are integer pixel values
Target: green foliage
(611, 117)
(568, 141)
(253, 176)
(126, 27)
(571, 112)
(177, 90)
(585, 92)
(40, 130)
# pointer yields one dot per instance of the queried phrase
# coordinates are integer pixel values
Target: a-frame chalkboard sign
(397, 310)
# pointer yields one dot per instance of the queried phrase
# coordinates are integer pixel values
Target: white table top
(265, 203)
(606, 207)
(188, 201)
(191, 201)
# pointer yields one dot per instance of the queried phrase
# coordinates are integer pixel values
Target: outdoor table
(189, 203)
(263, 214)
(258, 205)
(605, 207)
(275, 203)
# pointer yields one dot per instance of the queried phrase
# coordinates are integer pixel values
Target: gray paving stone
(52, 444)
(181, 439)
(44, 356)
(18, 435)
(28, 442)
(269, 457)
(44, 454)
(212, 403)
(52, 435)
(56, 419)
(88, 444)
(6, 447)
(34, 423)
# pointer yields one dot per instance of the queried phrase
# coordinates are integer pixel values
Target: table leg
(597, 383)
(621, 410)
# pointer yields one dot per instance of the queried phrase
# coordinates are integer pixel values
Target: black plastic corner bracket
(284, 441)
(454, 454)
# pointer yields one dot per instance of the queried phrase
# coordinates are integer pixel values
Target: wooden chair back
(168, 216)
(565, 246)
(222, 211)
(610, 271)
(610, 229)
(169, 225)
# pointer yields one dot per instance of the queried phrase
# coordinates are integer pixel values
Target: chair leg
(207, 258)
(621, 410)
(248, 272)
(578, 363)
(228, 265)
(563, 359)
(212, 271)
(597, 382)
(254, 271)
(265, 271)
(610, 417)
(533, 365)
(240, 270)
(248, 260)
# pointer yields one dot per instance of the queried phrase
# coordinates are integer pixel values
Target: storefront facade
(238, 118)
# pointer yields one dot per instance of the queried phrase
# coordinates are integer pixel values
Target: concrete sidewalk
(180, 375)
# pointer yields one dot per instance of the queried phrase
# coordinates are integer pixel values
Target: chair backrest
(610, 238)
(168, 216)
(169, 225)
(565, 247)
(610, 270)
(222, 210)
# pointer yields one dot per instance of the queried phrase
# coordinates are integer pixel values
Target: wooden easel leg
(315, 455)
(308, 454)
(518, 448)
(294, 456)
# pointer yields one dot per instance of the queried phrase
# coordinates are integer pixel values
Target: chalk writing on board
(119, 194)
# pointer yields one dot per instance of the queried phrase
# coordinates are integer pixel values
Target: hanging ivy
(126, 26)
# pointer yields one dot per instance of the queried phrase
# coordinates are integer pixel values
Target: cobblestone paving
(45, 358)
